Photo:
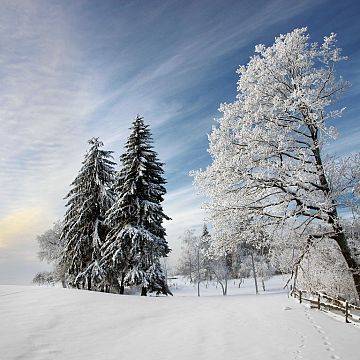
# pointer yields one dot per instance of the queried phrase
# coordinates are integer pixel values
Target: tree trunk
(339, 235)
(263, 284)
(122, 286)
(190, 268)
(218, 281)
(350, 261)
(144, 291)
(222, 287)
(254, 273)
(198, 272)
(295, 275)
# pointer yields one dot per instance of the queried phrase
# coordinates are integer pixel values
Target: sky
(71, 70)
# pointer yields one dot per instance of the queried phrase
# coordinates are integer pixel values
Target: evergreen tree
(205, 244)
(136, 240)
(83, 231)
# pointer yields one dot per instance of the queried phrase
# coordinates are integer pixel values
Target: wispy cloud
(347, 143)
(44, 100)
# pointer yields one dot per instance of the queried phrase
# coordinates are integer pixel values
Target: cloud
(60, 85)
(44, 100)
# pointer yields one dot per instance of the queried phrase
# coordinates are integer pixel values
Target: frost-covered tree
(264, 269)
(83, 228)
(204, 245)
(221, 267)
(202, 260)
(51, 246)
(194, 262)
(286, 247)
(44, 278)
(187, 260)
(268, 161)
(352, 231)
(136, 240)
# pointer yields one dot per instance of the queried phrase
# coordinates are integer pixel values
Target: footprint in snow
(327, 344)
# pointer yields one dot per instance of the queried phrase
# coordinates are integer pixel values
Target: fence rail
(324, 302)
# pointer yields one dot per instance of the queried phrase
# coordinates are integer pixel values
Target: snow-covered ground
(54, 323)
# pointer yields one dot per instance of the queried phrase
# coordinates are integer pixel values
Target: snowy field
(54, 323)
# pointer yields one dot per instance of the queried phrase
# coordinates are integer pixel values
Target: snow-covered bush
(44, 278)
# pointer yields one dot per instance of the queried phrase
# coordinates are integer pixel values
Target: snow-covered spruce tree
(268, 163)
(83, 229)
(136, 240)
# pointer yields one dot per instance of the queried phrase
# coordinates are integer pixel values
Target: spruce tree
(205, 245)
(136, 240)
(88, 200)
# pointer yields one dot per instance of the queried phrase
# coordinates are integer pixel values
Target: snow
(54, 323)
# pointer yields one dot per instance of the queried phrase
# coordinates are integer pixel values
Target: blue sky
(71, 70)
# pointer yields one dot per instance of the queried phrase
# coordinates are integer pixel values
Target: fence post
(300, 296)
(318, 304)
(346, 311)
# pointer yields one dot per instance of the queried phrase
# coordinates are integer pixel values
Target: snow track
(62, 324)
(323, 337)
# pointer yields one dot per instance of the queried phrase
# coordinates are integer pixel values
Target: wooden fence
(324, 302)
